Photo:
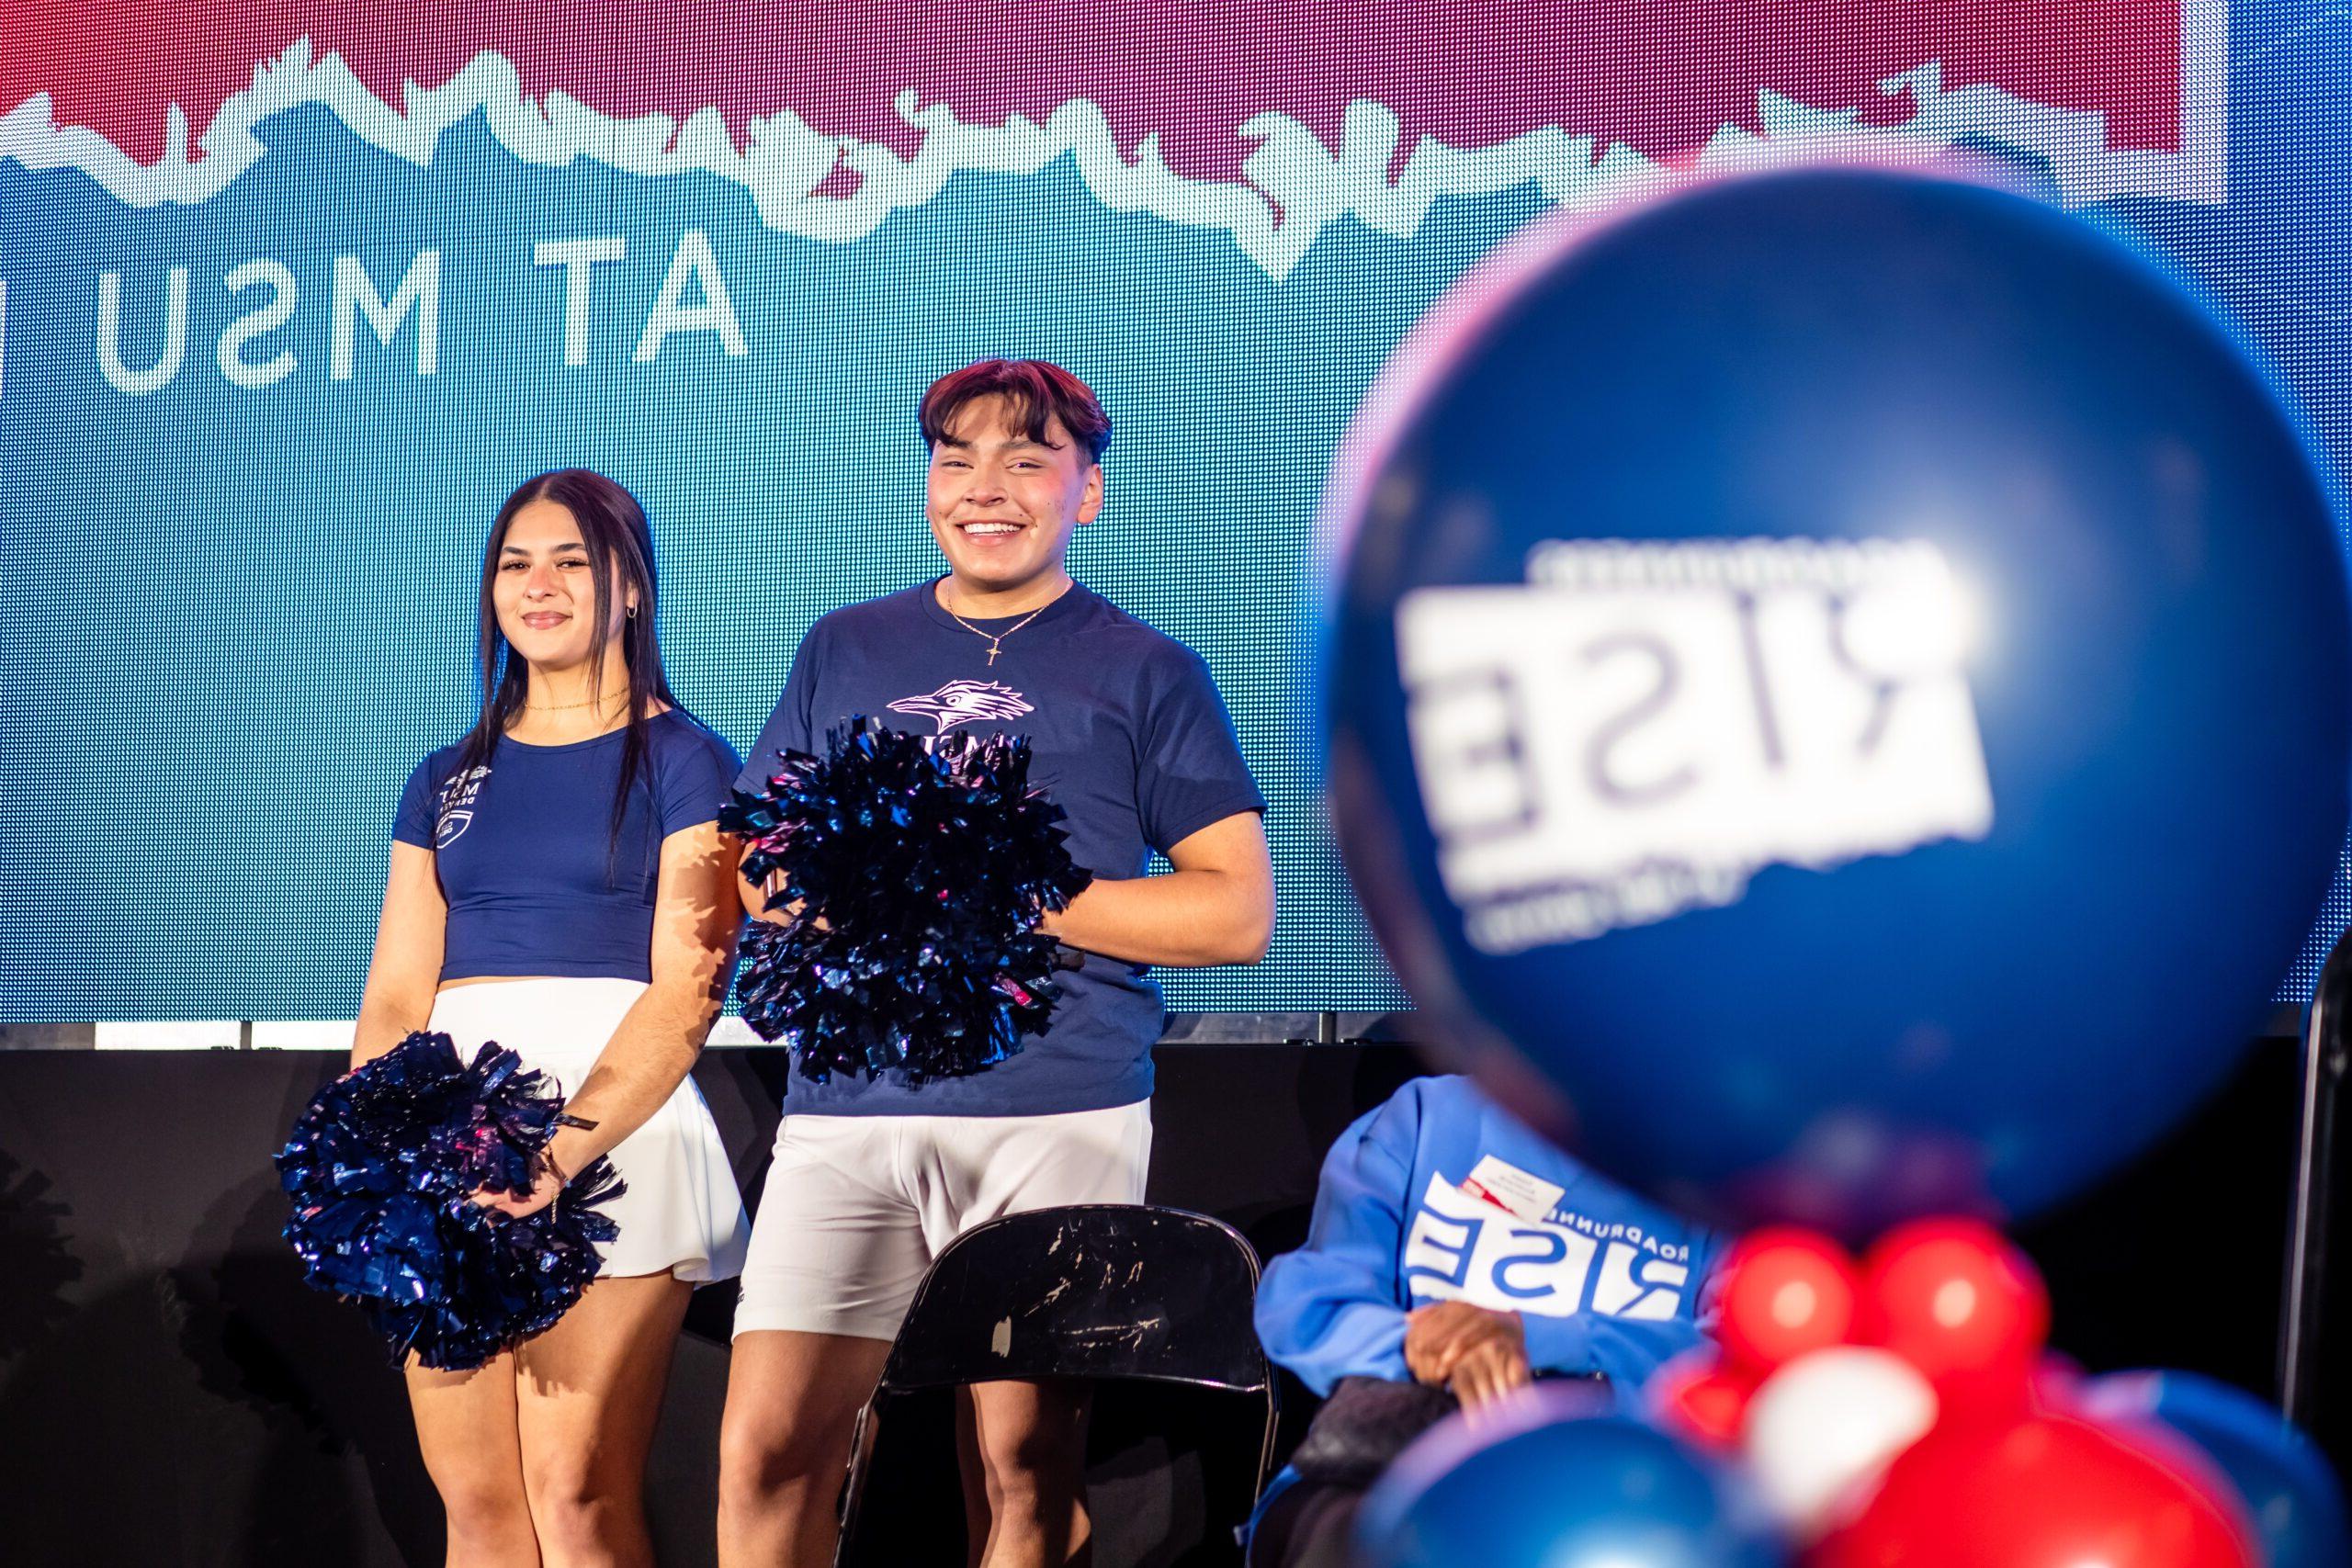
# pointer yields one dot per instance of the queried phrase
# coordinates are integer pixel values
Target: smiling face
(545, 591)
(1002, 505)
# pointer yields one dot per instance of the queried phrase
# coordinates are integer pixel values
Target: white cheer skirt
(682, 1214)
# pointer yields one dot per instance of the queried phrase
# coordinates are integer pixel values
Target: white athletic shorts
(855, 1207)
(682, 1214)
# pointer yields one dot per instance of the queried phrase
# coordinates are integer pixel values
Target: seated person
(1453, 1257)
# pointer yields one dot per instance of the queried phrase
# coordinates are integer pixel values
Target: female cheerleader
(558, 884)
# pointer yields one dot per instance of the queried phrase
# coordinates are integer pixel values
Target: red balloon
(1957, 1301)
(1700, 1400)
(1786, 1290)
(2045, 1489)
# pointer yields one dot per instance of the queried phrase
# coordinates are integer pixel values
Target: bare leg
(589, 1395)
(979, 1506)
(466, 1427)
(791, 1403)
(1032, 1440)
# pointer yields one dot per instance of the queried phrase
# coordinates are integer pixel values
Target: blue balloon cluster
(1567, 1479)
(380, 1171)
(1562, 1481)
(914, 869)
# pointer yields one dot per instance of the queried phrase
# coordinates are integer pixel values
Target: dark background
(170, 1392)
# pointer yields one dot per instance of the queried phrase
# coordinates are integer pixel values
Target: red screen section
(1661, 77)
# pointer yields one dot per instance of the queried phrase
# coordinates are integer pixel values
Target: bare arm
(1217, 905)
(753, 896)
(406, 966)
(695, 916)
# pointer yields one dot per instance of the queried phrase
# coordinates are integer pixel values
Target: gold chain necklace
(996, 639)
(567, 707)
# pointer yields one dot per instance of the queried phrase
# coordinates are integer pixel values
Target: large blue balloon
(1843, 674)
(2290, 1493)
(1556, 1486)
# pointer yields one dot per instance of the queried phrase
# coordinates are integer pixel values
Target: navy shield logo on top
(1837, 692)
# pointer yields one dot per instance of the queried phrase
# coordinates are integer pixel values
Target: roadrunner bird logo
(961, 702)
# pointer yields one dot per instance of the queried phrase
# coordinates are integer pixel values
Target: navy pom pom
(380, 1171)
(917, 868)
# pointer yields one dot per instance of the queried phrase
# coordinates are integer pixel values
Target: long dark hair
(620, 557)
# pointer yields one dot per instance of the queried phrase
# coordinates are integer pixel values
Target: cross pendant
(992, 647)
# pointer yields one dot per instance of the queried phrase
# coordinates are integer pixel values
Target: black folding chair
(1151, 1305)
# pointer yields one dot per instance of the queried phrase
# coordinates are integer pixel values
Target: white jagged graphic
(1292, 185)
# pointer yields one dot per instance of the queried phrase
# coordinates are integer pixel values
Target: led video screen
(291, 296)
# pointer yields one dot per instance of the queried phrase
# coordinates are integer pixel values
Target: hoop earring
(632, 612)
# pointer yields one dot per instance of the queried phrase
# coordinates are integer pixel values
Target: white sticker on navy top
(1506, 1186)
(1464, 1249)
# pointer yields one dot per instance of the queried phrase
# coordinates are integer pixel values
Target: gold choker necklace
(567, 707)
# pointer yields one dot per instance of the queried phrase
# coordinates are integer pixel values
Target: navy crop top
(522, 847)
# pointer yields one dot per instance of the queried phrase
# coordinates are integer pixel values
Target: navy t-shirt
(524, 851)
(1128, 736)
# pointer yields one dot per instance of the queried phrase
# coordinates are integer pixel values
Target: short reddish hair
(1035, 392)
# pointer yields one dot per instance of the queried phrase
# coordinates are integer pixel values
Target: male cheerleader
(871, 1181)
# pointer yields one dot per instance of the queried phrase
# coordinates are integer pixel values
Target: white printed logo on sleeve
(1647, 724)
(1462, 1247)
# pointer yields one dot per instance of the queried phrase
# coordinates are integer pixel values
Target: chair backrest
(1092, 1290)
